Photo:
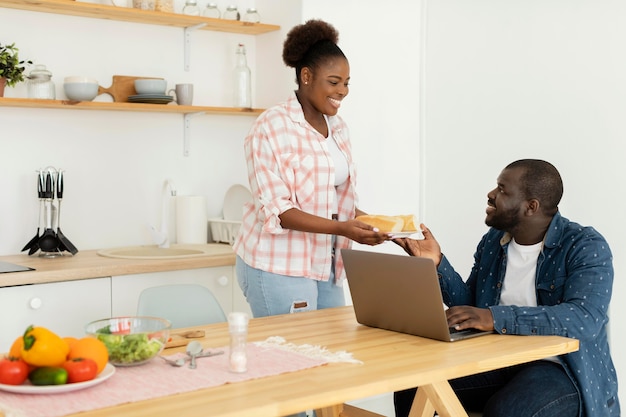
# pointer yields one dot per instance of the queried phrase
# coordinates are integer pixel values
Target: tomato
(13, 371)
(80, 370)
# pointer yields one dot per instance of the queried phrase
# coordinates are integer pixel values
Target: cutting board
(122, 86)
(181, 339)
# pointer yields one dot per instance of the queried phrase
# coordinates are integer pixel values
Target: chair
(184, 305)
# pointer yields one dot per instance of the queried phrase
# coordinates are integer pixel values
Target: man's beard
(505, 221)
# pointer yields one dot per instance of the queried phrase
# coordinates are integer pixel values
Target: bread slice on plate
(384, 223)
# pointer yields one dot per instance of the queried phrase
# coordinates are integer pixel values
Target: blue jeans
(271, 294)
(536, 389)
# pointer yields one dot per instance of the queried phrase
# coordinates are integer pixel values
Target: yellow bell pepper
(43, 347)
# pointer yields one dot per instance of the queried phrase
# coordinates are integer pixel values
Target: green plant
(11, 67)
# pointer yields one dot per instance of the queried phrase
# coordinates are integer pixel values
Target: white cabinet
(63, 307)
(220, 280)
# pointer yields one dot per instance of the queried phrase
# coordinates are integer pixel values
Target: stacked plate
(150, 98)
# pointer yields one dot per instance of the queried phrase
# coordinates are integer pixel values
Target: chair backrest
(184, 305)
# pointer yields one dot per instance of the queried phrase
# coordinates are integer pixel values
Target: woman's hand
(425, 248)
(362, 233)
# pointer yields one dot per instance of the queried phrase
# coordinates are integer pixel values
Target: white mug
(183, 93)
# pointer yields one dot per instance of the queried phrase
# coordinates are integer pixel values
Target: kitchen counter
(88, 264)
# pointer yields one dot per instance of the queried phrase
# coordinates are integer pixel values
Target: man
(534, 273)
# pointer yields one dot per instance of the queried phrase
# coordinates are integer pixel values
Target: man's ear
(532, 207)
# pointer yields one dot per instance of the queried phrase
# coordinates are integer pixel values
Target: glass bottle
(238, 329)
(231, 13)
(39, 84)
(191, 8)
(242, 79)
(252, 16)
(211, 10)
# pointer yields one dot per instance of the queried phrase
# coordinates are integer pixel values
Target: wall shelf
(122, 106)
(101, 11)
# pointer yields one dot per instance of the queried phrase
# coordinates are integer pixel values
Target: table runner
(158, 379)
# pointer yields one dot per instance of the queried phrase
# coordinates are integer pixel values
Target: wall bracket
(188, 31)
(186, 127)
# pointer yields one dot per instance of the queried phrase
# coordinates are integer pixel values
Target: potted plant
(11, 68)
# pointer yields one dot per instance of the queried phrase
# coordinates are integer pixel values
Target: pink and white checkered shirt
(289, 166)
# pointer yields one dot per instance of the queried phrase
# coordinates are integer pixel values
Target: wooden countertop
(88, 264)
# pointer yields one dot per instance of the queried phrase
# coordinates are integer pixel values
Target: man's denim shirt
(573, 286)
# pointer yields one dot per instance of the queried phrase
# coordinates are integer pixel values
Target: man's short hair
(542, 181)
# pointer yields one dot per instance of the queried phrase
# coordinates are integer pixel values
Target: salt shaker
(238, 328)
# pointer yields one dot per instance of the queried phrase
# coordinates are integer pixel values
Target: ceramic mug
(183, 93)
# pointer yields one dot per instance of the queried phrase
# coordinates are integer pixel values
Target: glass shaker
(238, 329)
(211, 10)
(231, 13)
(191, 8)
(252, 16)
(39, 83)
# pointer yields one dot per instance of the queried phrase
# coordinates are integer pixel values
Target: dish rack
(224, 230)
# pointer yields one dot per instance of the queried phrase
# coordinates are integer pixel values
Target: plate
(27, 388)
(144, 96)
(402, 234)
(150, 98)
(235, 198)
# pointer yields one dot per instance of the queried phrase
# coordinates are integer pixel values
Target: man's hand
(467, 317)
(426, 248)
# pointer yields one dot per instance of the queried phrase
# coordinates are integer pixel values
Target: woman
(302, 178)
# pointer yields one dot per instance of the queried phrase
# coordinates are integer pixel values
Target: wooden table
(391, 361)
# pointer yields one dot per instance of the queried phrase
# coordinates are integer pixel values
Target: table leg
(345, 410)
(440, 397)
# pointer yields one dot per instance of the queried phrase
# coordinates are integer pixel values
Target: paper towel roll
(191, 219)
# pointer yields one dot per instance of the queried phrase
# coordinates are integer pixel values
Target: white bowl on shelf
(80, 88)
(150, 86)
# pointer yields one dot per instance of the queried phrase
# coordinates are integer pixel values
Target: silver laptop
(399, 293)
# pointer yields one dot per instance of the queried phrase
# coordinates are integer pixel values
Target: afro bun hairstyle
(301, 40)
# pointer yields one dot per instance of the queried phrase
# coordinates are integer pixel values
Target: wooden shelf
(118, 106)
(100, 11)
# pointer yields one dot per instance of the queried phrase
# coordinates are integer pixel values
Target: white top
(519, 280)
(341, 165)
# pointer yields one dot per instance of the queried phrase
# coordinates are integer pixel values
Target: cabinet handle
(35, 303)
(223, 280)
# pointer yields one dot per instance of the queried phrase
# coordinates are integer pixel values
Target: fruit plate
(28, 388)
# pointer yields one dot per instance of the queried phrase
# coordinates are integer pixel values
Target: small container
(211, 10)
(238, 328)
(191, 8)
(252, 16)
(232, 13)
(166, 6)
(39, 83)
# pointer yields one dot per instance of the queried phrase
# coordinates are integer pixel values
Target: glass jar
(231, 13)
(211, 10)
(39, 83)
(191, 8)
(252, 16)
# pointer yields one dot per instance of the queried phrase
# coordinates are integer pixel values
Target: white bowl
(86, 90)
(150, 86)
(80, 79)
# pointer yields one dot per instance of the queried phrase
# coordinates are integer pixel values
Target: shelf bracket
(188, 31)
(186, 127)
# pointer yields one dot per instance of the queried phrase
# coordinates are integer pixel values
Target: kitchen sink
(175, 251)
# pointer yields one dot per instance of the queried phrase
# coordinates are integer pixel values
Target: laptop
(399, 293)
